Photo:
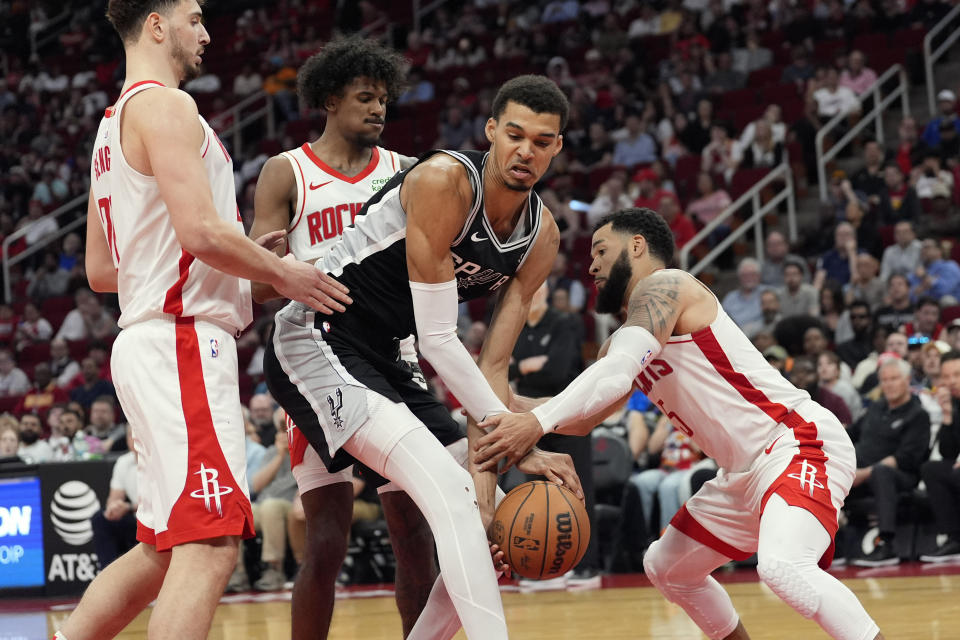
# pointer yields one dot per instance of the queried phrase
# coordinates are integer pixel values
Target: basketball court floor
(910, 602)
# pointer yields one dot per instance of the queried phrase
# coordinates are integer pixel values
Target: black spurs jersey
(371, 259)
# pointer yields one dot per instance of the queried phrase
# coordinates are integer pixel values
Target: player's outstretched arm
(166, 121)
(101, 271)
(653, 310)
(271, 205)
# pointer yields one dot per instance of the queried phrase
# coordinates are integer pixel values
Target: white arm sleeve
(435, 312)
(602, 383)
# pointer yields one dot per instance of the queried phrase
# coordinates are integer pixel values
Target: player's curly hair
(647, 223)
(127, 16)
(341, 61)
(540, 94)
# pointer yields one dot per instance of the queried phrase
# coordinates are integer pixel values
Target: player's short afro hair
(540, 94)
(341, 61)
(643, 222)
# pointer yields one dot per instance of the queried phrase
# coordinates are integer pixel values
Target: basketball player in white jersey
(786, 462)
(313, 192)
(163, 232)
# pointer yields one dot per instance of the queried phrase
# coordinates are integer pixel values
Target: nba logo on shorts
(326, 327)
(214, 347)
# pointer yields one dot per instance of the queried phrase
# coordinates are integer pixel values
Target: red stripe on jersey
(206, 148)
(109, 111)
(393, 163)
(222, 148)
(688, 525)
(707, 341)
(374, 160)
(211, 504)
(303, 193)
(174, 301)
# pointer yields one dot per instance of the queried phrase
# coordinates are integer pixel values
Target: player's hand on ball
(497, 555)
(555, 467)
(273, 240)
(513, 436)
(305, 283)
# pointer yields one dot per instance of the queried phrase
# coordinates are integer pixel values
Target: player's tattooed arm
(655, 304)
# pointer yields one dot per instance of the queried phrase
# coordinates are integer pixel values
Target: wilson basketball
(542, 528)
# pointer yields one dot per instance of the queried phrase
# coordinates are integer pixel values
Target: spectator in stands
(832, 308)
(899, 309)
(611, 196)
(797, 298)
(721, 76)
(677, 454)
(32, 328)
(33, 448)
(261, 416)
(646, 24)
(62, 435)
(832, 99)
(902, 257)
(206, 82)
(868, 366)
(908, 147)
(275, 489)
(935, 277)
(93, 386)
(62, 367)
(417, 49)
(947, 104)
(898, 200)
(469, 53)
(49, 280)
(770, 307)
(281, 84)
(43, 392)
(37, 227)
(636, 146)
(773, 116)
(869, 179)
(776, 255)
(419, 89)
(9, 441)
(710, 203)
(799, 70)
(597, 152)
(558, 278)
(828, 371)
(925, 321)
(88, 320)
(931, 361)
(650, 191)
(891, 441)
(8, 325)
(752, 56)
(13, 381)
(697, 134)
(952, 336)
(942, 477)
(722, 155)
(932, 181)
(864, 283)
(115, 528)
(804, 376)
(857, 76)
(246, 82)
(743, 303)
(835, 264)
(764, 150)
(103, 424)
(857, 348)
(455, 130)
(680, 224)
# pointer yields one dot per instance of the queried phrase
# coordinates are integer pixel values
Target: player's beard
(610, 297)
(184, 59)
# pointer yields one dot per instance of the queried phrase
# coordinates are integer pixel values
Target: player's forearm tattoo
(654, 304)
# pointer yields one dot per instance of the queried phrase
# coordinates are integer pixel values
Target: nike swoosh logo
(770, 448)
(314, 187)
(477, 238)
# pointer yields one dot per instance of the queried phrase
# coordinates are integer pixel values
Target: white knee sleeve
(788, 581)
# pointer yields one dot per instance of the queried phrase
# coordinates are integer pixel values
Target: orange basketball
(542, 528)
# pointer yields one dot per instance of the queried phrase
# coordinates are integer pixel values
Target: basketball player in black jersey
(454, 227)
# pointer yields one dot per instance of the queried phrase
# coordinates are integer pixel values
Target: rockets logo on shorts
(335, 408)
(210, 488)
(807, 478)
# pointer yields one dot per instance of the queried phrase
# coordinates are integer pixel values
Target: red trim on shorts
(211, 504)
(145, 534)
(297, 442)
(374, 160)
(686, 524)
(174, 300)
(303, 192)
(109, 111)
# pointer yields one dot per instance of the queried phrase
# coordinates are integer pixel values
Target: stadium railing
(930, 55)
(781, 175)
(873, 116)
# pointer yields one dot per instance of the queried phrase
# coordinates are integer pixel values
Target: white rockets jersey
(156, 277)
(328, 201)
(715, 386)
